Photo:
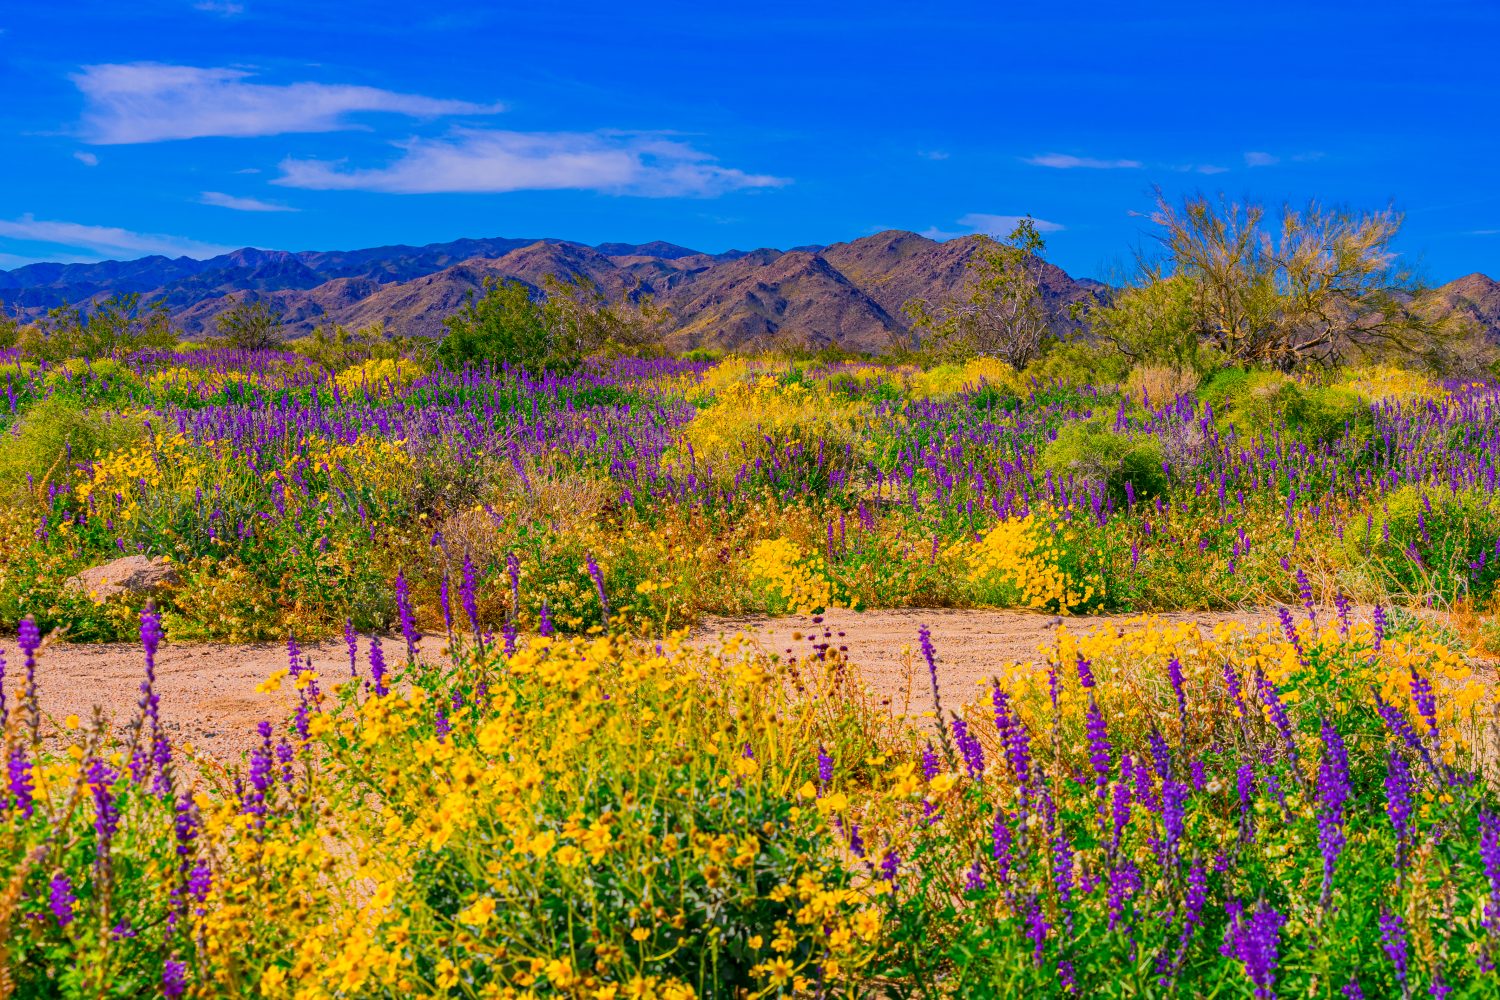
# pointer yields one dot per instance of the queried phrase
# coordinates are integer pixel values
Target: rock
(130, 575)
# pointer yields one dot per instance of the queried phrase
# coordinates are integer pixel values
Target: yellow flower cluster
(379, 377)
(793, 581)
(1019, 556)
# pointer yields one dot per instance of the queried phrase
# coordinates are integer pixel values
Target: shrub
(1089, 451)
(51, 437)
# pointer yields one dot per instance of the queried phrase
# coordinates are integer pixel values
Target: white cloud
(992, 225)
(1001, 225)
(486, 161)
(87, 159)
(108, 241)
(933, 154)
(153, 102)
(1261, 159)
(1063, 161)
(221, 7)
(223, 200)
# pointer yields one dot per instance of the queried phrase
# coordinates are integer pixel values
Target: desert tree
(1000, 310)
(120, 324)
(250, 325)
(1306, 288)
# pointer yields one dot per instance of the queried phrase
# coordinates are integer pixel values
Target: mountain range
(846, 294)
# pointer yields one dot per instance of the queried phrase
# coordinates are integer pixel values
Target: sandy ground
(208, 697)
(970, 645)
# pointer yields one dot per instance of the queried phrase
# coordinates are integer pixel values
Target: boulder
(130, 575)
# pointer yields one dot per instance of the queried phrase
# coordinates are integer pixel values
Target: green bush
(1428, 543)
(1090, 450)
(1256, 402)
(52, 434)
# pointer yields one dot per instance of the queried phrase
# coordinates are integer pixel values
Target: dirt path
(208, 696)
(970, 644)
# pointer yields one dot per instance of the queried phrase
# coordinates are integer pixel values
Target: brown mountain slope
(848, 294)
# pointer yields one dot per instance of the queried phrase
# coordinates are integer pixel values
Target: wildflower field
(523, 781)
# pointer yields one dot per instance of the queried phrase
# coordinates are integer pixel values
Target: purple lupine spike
(60, 899)
(1379, 626)
(1342, 604)
(1289, 627)
(1236, 692)
(1333, 792)
(974, 878)
(929, 654)
(29, 638)
(1123, 881)
(1352, 990)
(446, 600)
(468, 596)
(1254, 940)
(513, 571)
(597, 575)
(1271, 698)
(1425, 699)
(1120, 804)
(1174, 674)
(1489, 856)
(969, 748)
(825, 769)
(544, 621)
(890, 865)
(1085, 673)
(173, 979)
(351, 640)
(100, 778)
(1393, 941)
(19, 780)
(377, 667)
(407, 617)
(1001, 841)
(1398, 789)
(1305, 591)
(1099, 750)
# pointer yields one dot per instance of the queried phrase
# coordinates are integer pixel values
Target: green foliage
(1427, 544)
(1090, 450)
(250, 325)
(52, 435)
(117, 326)
(1155, 323)
(1000, 312)
(1259, 401)
(504, 325)
(1077, 363)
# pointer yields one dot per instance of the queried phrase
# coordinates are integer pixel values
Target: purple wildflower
(825, 769)
(351, 640)
(1001, 841)
(468, 595)
(974, 878)
(1085, 673)
(597, 575)
(61, 899)
(1333, 793)
(408, 618)
(1425, 699)
(1254, 939)
(1174, 674)
(377, 667)
(1393, 940)
(1379, 626)
(1398, 788)
(19, 778)
(1099, 750)
(173, 979)
(29, 639)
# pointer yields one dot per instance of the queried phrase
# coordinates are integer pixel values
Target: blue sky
(190, 126)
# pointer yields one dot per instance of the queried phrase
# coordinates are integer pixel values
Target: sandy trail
(970, 644)
(208, 697)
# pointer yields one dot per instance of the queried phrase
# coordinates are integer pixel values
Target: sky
(194, 126)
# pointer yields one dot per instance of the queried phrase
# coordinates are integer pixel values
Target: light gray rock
(130, 575)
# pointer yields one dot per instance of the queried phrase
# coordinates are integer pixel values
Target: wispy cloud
(223, 200)
(490, 161)
(933, 154)
(87, 159)
(1257, 158)
(154, 102)
(106, 241)
(1064, 161)
(991, 225)
(221, 7)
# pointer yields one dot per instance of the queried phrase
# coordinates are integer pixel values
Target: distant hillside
(848, 294)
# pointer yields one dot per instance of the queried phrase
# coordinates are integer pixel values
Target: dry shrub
(1160, 383)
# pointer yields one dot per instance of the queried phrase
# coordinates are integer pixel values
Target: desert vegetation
(524, 781)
